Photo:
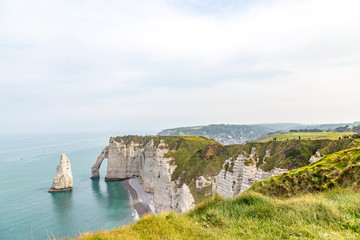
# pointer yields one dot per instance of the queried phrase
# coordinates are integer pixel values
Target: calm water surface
(27, 168)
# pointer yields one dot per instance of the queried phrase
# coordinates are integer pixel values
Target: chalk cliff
(63, 180)
(238, 174)
(149, 162)
(180, 171)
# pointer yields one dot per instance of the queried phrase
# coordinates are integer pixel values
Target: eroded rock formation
(129, 158)
(201, 182)
(63, 180)
(126, 160)
(239, 174)
(315, 157)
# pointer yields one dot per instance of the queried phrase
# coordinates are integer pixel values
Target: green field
(304, 135)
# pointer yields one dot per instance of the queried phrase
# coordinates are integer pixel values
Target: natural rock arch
(95, 168)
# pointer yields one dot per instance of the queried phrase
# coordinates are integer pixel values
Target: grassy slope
(338, 169)
(331, 214)
(294, 154)
(304, 135)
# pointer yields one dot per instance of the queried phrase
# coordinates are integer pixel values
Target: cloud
(158, 64)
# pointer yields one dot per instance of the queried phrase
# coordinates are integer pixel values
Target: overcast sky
(117, 65)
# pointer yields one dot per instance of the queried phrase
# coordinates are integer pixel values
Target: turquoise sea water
(27, 168)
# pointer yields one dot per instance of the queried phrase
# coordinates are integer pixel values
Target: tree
(342, 129)
(356, 129)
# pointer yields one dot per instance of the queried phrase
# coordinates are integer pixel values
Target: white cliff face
(261, 174)
(239, 174)
(184, 200)
(123, 160)
(231, 182)
(63, 180)
(153, 168)
(150, 164)
(167, 196)
(164, 188)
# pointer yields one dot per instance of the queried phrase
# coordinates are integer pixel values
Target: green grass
(304, 135)
(338, 169)
(294, 154)
(333, 214)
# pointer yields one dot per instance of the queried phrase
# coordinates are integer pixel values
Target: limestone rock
(123, 161)
(315, 157)
(267, 154)
(154, 169)
(230, 184)
(95, 168)
(63, 180)
(244, 173)
(201, 182)
(185, 200)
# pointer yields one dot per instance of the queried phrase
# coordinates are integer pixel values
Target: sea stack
(63, 180)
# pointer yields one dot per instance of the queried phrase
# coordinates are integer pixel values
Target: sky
(144, 66)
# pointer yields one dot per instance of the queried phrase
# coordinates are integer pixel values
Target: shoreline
(60, 189)
(140, 199)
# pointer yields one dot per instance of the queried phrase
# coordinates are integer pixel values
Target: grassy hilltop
(220, 131)
(322, 202)
(230, 134)
(303, 135)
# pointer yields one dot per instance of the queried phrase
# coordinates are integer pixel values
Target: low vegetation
(333, 214)
(220, 131)
(338, 169)
(303, 135)
(294, 154)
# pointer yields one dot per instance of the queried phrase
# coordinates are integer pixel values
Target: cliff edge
(146, 158)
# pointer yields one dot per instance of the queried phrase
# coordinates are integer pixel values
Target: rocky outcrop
(315, 157)
(184, 199)
(261, 174)
(123, 161)
(63, 180)
(239, 174)
(127, 160)
(201, 182)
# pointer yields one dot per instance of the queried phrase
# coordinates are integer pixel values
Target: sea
(27, 169)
